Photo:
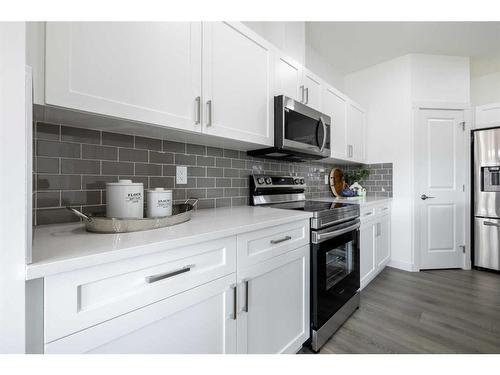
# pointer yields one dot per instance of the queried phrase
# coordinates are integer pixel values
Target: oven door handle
(320, 237)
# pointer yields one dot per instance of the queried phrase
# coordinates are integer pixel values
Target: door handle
(491, 224)
(424, 197)
(198, 110)
(209, 112)
(245, 306)
(324, 133)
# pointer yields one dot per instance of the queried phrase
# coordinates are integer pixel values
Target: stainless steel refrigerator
(486, 190)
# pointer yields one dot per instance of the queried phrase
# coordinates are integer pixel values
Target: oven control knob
(302, 181)
(296, 181)
(260, 180)
(268, 180)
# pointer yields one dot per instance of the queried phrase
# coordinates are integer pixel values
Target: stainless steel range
(334, 250)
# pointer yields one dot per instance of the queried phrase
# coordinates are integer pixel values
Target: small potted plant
(352, 178)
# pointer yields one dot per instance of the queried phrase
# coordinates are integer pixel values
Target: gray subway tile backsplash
(73, 165)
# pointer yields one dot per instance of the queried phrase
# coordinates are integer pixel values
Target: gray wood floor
(445, 311)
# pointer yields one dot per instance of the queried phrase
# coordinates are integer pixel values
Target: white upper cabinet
(238, 67)
(288, 78)
(355, 132)
(142, 71)
(334, 104)
(312, 89)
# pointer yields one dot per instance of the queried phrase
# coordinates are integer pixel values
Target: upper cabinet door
(142, 71)
(238, 71)
(355, 132)
(312, 86)
(334, 104)
(288, 78)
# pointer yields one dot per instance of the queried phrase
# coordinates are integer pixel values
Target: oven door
(335, 270)
(303, 128)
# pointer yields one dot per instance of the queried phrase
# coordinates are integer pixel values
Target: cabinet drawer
(366, 214)
(382, 210)
(83, 298)
(257, 246)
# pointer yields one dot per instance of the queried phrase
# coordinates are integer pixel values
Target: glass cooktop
(311, 206)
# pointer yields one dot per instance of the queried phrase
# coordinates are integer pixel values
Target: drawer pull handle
(286, 238)
(385, 208)
(161, 276)
(368, 213)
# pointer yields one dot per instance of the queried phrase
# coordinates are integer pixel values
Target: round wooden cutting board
(337, 182)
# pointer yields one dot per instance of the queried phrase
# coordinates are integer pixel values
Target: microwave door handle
(324, 134)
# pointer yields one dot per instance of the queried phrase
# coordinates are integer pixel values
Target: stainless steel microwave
(300, 132)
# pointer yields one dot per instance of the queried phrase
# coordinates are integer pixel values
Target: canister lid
(158, 190)
(124, 183)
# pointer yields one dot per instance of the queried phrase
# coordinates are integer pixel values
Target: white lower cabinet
(375, 244)
(194, 299)
(199, 320)
(367, 253)
(274, 304)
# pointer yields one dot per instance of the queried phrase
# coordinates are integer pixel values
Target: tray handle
(188, 201)
(79, 214)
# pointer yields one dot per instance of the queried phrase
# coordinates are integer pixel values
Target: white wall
(485, 89)
(388, 92)
(13, 147)
(385, 91)
(437, 78)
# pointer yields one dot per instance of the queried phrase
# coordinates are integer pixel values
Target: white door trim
(467, 110)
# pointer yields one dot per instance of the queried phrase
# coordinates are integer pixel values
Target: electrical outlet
(326, 179)
(181, 174)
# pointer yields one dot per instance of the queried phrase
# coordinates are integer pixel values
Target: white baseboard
(405, 266)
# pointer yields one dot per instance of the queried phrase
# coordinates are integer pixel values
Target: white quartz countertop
(362, 201)
(65, 247)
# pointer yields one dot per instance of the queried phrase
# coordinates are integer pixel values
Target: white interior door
(439, 183)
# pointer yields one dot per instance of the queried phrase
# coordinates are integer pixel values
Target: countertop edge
(47, 268)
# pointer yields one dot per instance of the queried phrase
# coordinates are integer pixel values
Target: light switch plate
(181, 174)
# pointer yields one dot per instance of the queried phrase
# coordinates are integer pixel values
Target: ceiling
(351, 46)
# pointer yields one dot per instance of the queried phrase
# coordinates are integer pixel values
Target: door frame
(417, 107)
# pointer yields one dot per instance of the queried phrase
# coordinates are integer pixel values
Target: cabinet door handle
(301, 88)
(235, 301)
(245, 307)
(379, 229)
(491, 224)
(307, 95)
(198, 110)
(162, 276)
(286, 238)
(209, 113)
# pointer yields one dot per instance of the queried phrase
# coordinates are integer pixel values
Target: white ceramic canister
(159, 202)
(125, 200)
